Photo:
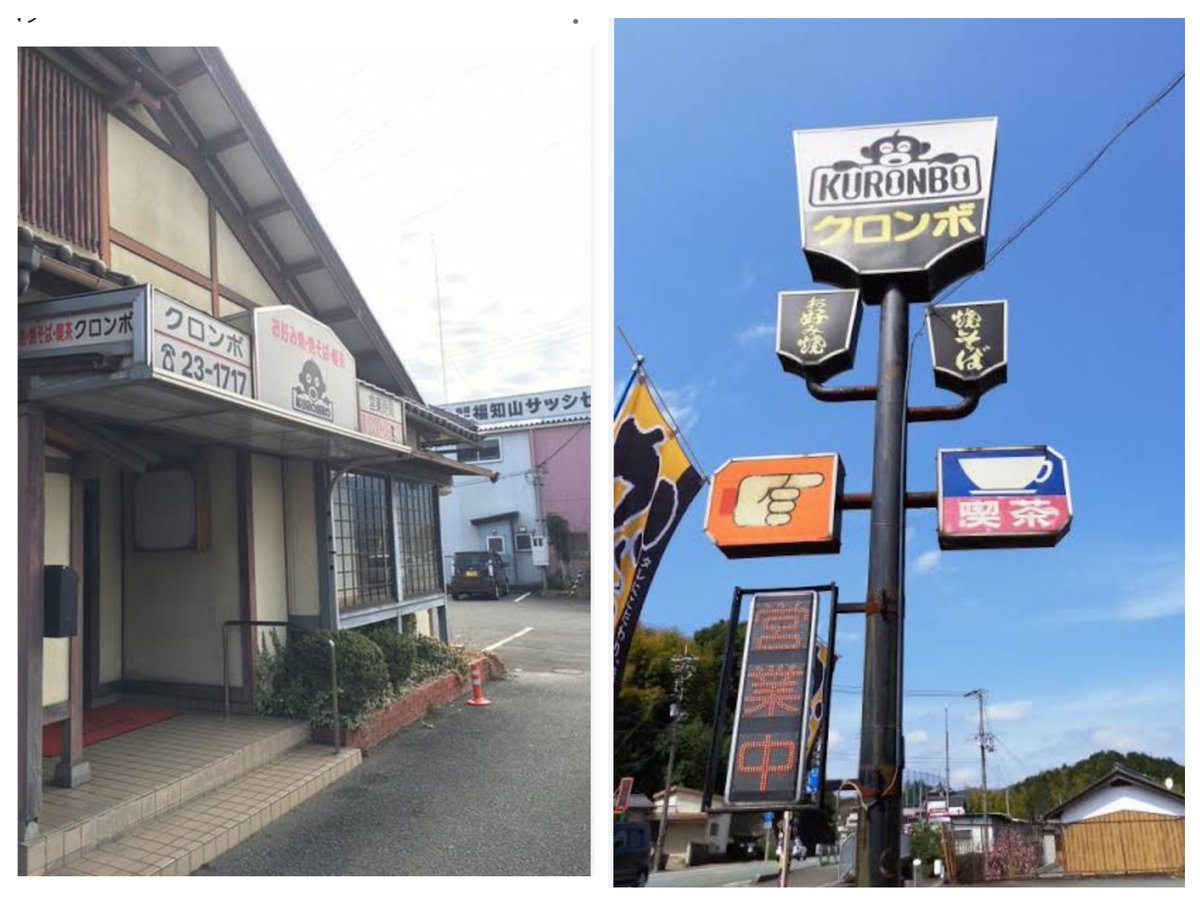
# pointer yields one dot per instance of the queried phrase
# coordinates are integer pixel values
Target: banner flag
(653, 484)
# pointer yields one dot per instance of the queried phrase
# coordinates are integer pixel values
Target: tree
(559, 534)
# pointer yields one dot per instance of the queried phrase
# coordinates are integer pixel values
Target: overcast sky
(483, 154)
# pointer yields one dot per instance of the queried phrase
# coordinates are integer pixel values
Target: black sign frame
(762, 605)
(840, 357)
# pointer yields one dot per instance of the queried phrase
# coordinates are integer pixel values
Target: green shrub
(968, 868)
(302, 680)
(432, 659)
(926, 846)
(398, 648)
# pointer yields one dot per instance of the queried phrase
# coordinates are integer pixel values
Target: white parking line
(502, 641)
(522, 597)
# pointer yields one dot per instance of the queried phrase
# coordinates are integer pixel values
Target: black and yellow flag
(653, 483)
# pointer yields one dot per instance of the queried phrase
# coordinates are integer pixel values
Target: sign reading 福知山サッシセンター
(907, 202)
(1002, 497)
(303, 367)
(771, 717)
(969, 345)
(768, 506)
(571, 405)
(816, 332)
(195, 346)
(381, 415)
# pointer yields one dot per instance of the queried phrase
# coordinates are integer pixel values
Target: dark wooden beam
(133, 245)
(224, 142)
(188, 73)
(314, 264)
(341, 314)
(273, 208)
(31, 457)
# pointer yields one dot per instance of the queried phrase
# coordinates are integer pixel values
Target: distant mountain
(1034, 796)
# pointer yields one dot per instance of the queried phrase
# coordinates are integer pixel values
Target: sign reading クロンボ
(769, 506)
(969, 345)
(303, 367)
(1002, 497)
(771, 717)
(193, 345)
(816, 332)
(908, 199)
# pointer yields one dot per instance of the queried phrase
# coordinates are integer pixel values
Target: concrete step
(183, 840)
(115, 811)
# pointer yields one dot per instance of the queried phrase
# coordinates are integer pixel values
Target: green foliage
(431, 659)
(399, 650)
(926, 846)
(968, 868)
(559, 534)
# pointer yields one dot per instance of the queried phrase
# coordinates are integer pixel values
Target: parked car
(479, 573)
(631, 854)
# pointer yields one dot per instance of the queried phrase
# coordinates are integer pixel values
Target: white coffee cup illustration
(1007, 475)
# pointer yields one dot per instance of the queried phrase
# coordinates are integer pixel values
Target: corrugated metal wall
(60, 125)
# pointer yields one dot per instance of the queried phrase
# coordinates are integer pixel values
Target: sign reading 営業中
(195, 346)
(557, 406)
(303, 367)
(892, 199)
(969, 345)
(1002, 497)
(816, 332)
(380, 414)
(771, 716)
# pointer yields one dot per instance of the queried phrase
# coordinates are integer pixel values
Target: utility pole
(880, 767)
(985, 745)
(437, 285)
(947, 714)
(681, 666)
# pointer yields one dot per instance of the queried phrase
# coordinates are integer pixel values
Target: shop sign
(771, 506)
(1002, 497)
(192, 345)
(969, 345)
(303, 367)
(96, 323)
(891, 199)
(770, 720)
(381, 415)
(571, 404)
(816, 332)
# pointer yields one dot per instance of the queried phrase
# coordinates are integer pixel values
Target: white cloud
(835, 739)
(963, 776)
(1118, 741)
(1009, 711)
(928, 561)
(684, 405)
(916, 737)
(756, 333)
(1147, 594)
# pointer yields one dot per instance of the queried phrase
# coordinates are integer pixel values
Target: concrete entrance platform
(178, 780)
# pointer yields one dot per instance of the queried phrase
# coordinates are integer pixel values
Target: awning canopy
(494, 517)
(164, 403)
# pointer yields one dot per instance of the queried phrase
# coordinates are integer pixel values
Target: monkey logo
(895, 167)
(308, 395)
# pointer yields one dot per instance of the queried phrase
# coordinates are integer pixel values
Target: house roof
(1119, 775)
(204, 119)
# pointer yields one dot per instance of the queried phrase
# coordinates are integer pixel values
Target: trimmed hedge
(399, 651)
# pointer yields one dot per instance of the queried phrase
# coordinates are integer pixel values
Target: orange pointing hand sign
(771, 500)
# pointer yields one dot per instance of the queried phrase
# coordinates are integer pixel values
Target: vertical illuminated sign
(771, 722)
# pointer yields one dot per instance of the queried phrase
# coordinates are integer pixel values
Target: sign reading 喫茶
(969, 345)
(304, 367)
(380, 415)
(193, 345)
(892, 200)
(771, 721)
(768, 506)
(816, 332)
(1002, 497)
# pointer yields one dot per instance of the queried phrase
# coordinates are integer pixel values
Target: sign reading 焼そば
(302, 367)
(909, 202)
(969, 345)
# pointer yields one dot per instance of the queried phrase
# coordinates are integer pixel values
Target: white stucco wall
(270, 559)
(236, 270)
(143, 270)
(474, 496)
(110, 575)
(57, 536)
(176, 601)
(300, 522)
(1121, 798)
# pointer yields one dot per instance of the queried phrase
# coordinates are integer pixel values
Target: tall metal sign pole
(898, 212)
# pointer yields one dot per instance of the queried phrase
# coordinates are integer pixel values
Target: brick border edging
(382, 724)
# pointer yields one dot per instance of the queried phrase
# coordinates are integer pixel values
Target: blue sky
(1080, 647)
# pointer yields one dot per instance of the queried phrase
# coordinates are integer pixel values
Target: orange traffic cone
(477, 698)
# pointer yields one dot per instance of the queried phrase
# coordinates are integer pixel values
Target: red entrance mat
(102, 723)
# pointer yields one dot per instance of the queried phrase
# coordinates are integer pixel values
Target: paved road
(744, 873)
(495, 791)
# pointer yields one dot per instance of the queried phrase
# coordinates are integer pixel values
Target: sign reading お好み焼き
(907, 200)
(303, 367)
(1002, 497)
(816, 332)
